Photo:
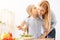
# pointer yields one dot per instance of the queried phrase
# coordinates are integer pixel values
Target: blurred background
(12, 12)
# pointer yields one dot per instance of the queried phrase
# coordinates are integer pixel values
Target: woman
(48, 18)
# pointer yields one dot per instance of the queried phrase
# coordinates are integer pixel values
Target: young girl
(33, 22)
(48, 17)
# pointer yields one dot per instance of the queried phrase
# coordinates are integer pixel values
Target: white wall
(18, 7)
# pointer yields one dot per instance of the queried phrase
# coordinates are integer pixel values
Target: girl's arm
(23, 26)
(20, 27)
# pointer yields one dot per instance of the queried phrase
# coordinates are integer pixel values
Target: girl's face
(34, 10)
(41, 11)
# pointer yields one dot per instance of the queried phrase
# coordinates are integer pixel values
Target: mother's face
(41, 11)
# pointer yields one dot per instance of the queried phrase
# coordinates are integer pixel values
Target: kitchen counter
(39, 39)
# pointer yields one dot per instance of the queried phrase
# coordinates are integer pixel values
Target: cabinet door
(6, 21)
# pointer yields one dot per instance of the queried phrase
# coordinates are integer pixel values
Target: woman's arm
(53, 23)
(45, 34)
(46, 29)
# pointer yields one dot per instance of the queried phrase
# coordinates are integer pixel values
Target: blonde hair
(29, 9)
(46, 16)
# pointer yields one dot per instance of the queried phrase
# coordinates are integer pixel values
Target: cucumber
(26, 35)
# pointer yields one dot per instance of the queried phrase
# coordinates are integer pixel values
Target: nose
(38, 10)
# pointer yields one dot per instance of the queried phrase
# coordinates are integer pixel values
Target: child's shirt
(35, 26)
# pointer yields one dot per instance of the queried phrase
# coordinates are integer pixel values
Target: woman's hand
(42, 36)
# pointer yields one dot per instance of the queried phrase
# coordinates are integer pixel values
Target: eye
(42, 10)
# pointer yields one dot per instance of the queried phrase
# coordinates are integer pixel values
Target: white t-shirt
(35, 26)
(53, 19)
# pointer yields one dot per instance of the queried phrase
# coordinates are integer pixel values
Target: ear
(30, 10)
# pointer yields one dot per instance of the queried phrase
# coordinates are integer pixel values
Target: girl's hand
(19, 27)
